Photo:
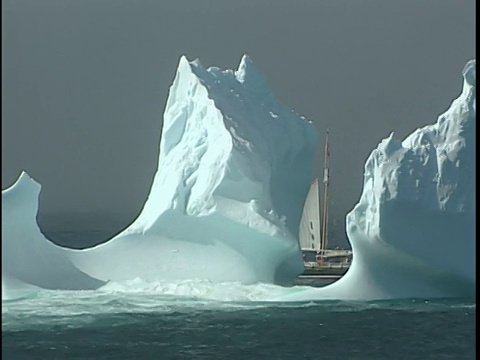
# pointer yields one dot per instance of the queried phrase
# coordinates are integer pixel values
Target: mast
(326, 178)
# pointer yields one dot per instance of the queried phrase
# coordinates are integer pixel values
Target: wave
(121, 300)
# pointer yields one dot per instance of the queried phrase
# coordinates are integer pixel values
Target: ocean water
(196, 319)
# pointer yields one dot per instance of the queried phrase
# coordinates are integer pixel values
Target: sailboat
(313, 232)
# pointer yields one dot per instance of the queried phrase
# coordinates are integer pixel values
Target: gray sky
(84, 83)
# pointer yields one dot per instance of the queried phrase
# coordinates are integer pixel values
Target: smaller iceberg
(413, 230)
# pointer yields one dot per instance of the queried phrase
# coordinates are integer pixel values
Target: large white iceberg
(413, 230)
(226, 201)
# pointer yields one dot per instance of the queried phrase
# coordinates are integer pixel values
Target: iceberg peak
(389, 145)
(24, 182)
(25, 177)
(245, 68)
(185, 65)
(248, 75)
(469, 73)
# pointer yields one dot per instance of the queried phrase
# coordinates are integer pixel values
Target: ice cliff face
(419, 194)
(226, 201)
(413, 230)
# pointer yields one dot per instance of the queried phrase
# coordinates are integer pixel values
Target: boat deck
(331, 269)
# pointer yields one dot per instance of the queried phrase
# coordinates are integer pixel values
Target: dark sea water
(200, 320)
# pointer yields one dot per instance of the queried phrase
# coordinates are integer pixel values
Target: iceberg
(413, 231)
(225, 204)
(226, 201)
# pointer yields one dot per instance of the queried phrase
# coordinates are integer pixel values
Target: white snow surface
(227, 198)
(234, 170)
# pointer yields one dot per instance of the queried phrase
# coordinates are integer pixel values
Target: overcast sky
(84, 83)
